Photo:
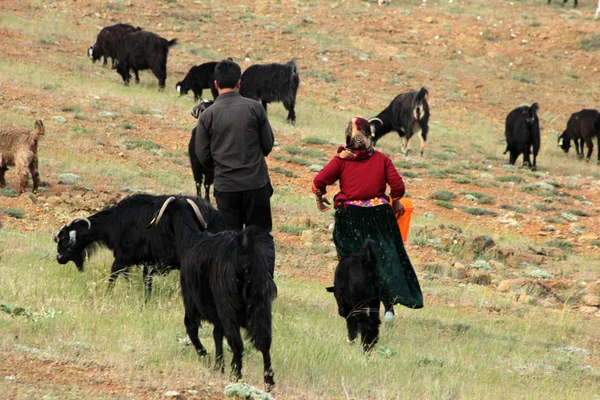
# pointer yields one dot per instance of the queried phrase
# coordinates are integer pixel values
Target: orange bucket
(404, 220)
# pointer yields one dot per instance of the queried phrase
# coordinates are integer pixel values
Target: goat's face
(564, 142)
(69, 246)
(181, 88)
(94, 53)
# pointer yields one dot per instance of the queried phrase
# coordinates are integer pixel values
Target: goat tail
(259, 293)
(535, 107)
(39, 129)
(421, 95)
(171, 43)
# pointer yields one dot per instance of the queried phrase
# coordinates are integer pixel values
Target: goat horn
(79, 219)
(198, 213)
(162, 210)
(375, 119)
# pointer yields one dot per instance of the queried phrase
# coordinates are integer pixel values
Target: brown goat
(18, 147)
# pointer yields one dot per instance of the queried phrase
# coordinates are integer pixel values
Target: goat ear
(330, 289)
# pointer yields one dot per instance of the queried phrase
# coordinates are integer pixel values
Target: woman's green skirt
(355, 224)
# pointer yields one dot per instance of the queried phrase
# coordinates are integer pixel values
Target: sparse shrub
(128, 126)
(292, 160)
(580, 213)
(283, 171)
(71, 109)
(305, 152)
(516, 209)
(554, 220)
(314, 140)
(409, 174)
(481, 197)
(437, 174)
(443, 195)
(544, 207)
(479, 211)
(589, 44)
(461, 180)
(444, 203)
(13, 212)
(595, 242)
(293, 229)
(403, 164)
(148, 145)
(561, 244)
(509, 178)
(140, 111)
(8, 192)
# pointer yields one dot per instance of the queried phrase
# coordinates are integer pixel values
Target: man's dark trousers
(250, 207)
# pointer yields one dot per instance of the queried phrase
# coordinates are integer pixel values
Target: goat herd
(224, 279)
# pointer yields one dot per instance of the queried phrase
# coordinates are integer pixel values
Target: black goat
(199, 77)
(199, 173)
(272, 82)
(225, 280)
(407, 114)
(108, 40)
(122, 229)
(522, 133)
(357, 289)
(565, 2)
(143, 50)
(582, 127)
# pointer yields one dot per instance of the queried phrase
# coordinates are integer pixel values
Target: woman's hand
(398, 207)
(321, 203)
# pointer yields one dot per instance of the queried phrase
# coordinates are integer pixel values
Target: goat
(522, 131)
(199, 77)
(582, 127)
(565, 2)
(107, 41)
(407, 114)
(357, 291)
(18, 148)
(225, 280)
(199, 173)
(143, 50)
(122, 229)
(272, 82)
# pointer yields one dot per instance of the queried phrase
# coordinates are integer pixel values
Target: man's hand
(398, 207)
(322, 203)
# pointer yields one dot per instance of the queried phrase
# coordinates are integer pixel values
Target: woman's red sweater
(360, 180)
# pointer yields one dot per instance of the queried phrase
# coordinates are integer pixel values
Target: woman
(363, 211)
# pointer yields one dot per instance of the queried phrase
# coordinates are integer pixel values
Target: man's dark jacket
(234, 136)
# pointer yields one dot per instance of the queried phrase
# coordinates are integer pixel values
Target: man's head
(227, 76)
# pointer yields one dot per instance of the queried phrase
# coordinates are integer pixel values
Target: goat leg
(191, 327)
(352, 325)
(206, 192)
(218, 337)
(148, 271)
(2, 172)
(23, 181)
(234, 339)
(35, 175)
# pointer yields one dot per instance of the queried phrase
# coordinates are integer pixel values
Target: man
(234, 136)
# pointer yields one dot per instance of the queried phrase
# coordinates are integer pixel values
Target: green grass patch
(303, 151)
(561, 244)
(13, 212)
(544, 207)
(292, 229)
(291, 160)
(517, 209)
(444, 203)
(479, 211)
(443, 195)
(8, 192)
(409, 174)
(437, 174)
(509, 178)
(314, 140)
(590, 43)
(580, 213)
(128, 126)
(554, 220)
(140, 111)
(72, 109)
(461, 180)
(480, 197)
(283, 171)
(149, 145)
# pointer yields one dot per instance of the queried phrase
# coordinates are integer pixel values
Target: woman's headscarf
(358, 140)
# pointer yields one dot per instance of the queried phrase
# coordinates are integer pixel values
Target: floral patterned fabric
(377, 201)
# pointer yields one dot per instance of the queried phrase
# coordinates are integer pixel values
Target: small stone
(107, 114)
(275, 143)
(69, 179)
(549, 228)
(315, 168)
(59, 119)
(172, 393)
(569, 217)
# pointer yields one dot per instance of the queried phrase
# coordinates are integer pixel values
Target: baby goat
(18, 148)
